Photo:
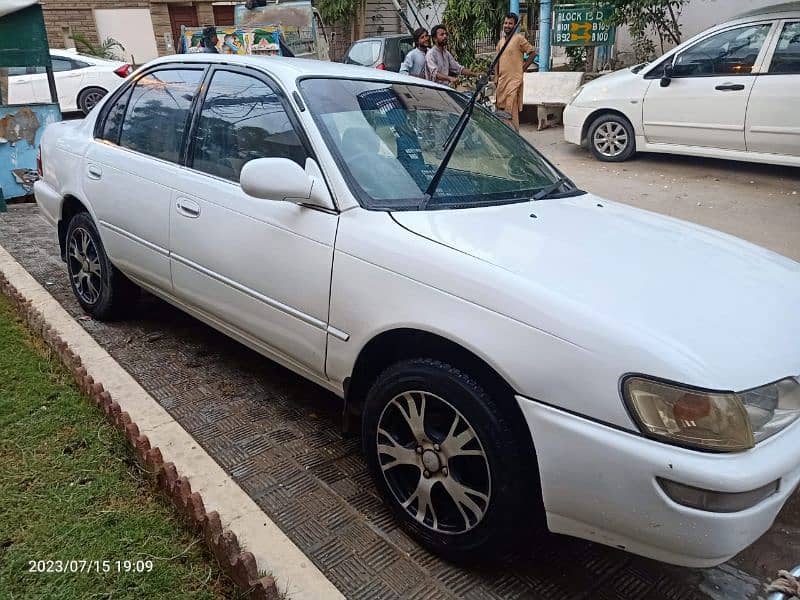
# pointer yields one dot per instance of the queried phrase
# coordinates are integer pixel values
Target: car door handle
(95, 172)
(188, 208)
(730, 87)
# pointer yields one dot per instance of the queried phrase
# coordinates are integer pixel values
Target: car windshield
(388, 138)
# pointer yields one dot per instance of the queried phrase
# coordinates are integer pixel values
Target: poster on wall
(234, 40)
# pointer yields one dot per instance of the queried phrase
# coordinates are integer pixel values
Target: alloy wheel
(84, 266)
(433, 462)
(611, 139)
(91, 100)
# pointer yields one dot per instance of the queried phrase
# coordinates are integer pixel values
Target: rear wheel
(447, 461)
(611, 138)
(89, 98)
(101, 290)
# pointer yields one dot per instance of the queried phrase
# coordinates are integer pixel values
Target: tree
(467, 21)
(106, 49)
(338, 11)
(645, 16)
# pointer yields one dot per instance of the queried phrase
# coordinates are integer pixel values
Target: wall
(131, 27)
(21, 129)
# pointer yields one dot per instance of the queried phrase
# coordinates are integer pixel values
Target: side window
(786, 59)
(731, 52)
(406, 46)
(158, 112)
(113, 118)
(61, 64)
(79, 64)
(365, 53)
(242, 118)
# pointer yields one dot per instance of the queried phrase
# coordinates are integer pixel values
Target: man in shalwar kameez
(511, 69)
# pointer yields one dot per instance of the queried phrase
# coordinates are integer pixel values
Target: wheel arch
(393, 345)
(599, 113)
(70, 207)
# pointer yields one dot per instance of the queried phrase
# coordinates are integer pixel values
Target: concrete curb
(149, 430)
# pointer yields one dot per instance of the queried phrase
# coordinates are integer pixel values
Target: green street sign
(582, 25)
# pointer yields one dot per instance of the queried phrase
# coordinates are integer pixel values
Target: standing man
(510, 69)
(442, 66)
(210, 40)
(415, 63)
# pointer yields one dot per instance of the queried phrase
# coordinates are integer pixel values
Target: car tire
(478, 479)
(611, 138)
(100, 288)
(89, 97)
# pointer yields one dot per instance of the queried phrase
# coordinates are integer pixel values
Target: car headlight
(719, 421)
(575, 95)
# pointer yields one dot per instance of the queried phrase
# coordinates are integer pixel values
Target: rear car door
(262, 267)
(706, 102)
(132, 165)
(773, 114)
(69, 77)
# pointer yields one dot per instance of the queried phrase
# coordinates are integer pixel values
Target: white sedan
(81, 81)
(516, 352)
(730, 92)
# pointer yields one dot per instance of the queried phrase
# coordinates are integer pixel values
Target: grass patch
(70, 489)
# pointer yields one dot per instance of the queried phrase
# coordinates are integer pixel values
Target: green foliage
(649, 16)
(577, 57)
(107, 48)
(338, 11)
(71, 490)
(468, 21)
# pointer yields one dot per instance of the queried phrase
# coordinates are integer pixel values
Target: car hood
(602, 274)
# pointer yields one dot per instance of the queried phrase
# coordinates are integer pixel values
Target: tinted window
(61, 64)
(158, 111)
(731, 52)
(77, 64)
(787, 55)
(365, 53)
(406, 46)
(242, 118)
(113, 119)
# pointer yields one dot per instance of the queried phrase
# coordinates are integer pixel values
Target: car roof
(288, 70)
(785, 7)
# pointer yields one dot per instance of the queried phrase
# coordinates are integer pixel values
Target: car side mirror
(666, 78)
(284, 180)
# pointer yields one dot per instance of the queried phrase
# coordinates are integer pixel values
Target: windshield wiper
(455, 135)
(547, 192)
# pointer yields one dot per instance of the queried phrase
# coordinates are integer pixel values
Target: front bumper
(574, 119)
(599, 483)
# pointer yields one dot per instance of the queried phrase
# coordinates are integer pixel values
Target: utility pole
(545, 17)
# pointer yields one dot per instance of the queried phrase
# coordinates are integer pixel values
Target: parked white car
(514, 350)
(730, 92)
(81, 81)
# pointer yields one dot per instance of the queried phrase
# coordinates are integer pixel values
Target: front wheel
(448, 462)
(611, 138)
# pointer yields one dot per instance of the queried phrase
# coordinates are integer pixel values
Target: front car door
(706, 101)
(773, 114)
(261, 267)
(132, 165)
